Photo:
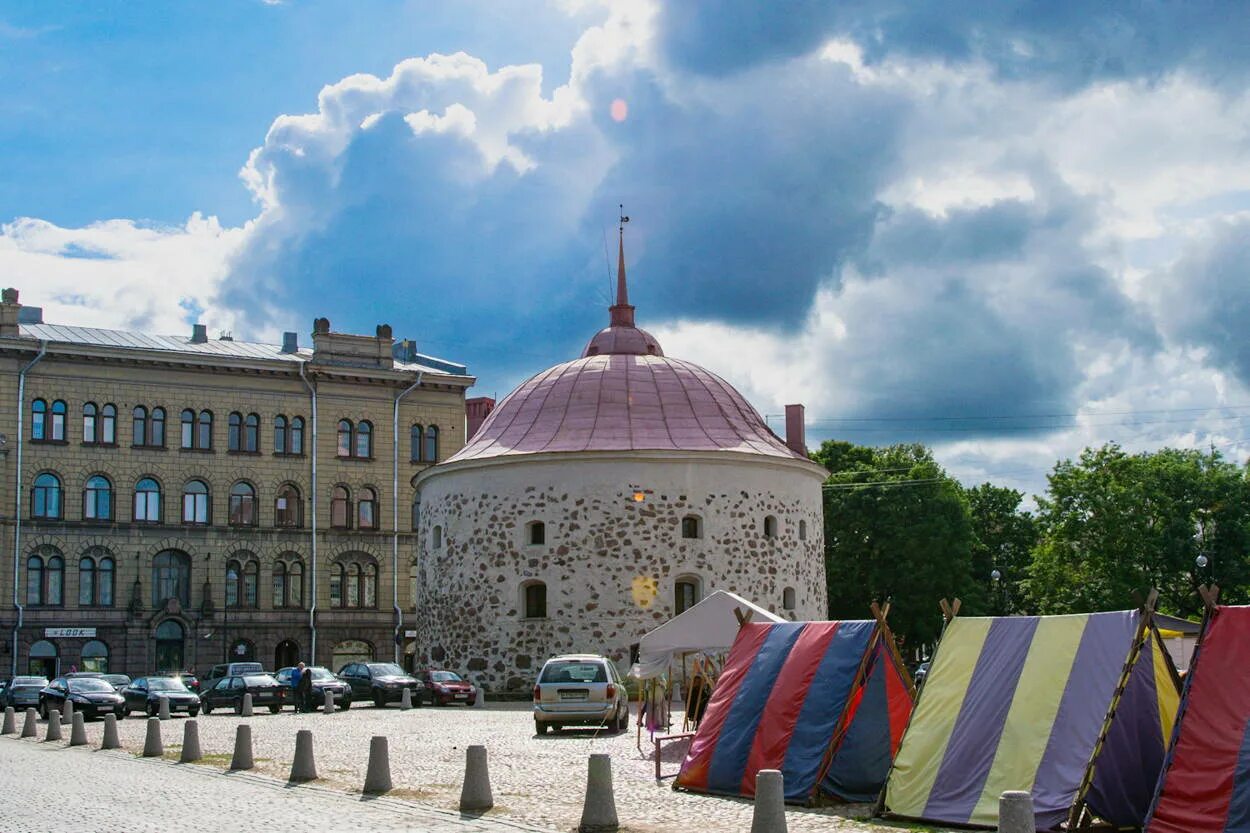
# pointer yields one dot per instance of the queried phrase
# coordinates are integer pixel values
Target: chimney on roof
(10, 311)
(796, 431)
(225, 335)
(290, 342)
(199, 334)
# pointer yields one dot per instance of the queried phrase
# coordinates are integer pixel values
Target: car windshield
(115, 679)
(573, 671)
(259, 679)
(166, 684)
(322, 674)
(386, 668)
(89, 684)
(29, 682)
(445, 677)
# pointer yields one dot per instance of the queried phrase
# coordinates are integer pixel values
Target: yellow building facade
(172, 502)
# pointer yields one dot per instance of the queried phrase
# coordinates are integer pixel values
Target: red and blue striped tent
(824, 702)
(1078, 710)
(1205, 785)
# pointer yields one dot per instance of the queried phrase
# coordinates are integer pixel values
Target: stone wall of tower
(610, 562)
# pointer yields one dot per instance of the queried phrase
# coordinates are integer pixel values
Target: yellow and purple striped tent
(1078, 710)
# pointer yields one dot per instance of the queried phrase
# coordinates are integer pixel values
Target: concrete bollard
(190, 743)
(1015, 812)
(303, 767)
(54, 726)
(30, 726)
(405, 699)
(378, 776)
(153, 746)
(162, 711)
(479, 697)
(245, 710)
(769, 815)
(111, 741)
(67, 713)
(329, 704)
(599, 809)
(475, 795)
(78, 731)
(242, 748)
(10, 721)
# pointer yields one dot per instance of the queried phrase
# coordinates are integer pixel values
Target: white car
(580, 690)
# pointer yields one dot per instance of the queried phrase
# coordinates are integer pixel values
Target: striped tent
(1206, 782)
(824, 702)
(1077, 710)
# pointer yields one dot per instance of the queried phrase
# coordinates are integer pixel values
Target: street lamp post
(996, 576)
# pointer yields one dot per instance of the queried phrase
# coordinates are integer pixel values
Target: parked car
(322, 681)
(191, 682)
(229, 669)
(92, 696)
(381, 682)
(443, 688)
(228, 693)
(922, 671)
(145, 693)
(580, 690)
(117, 681)
(23, 692)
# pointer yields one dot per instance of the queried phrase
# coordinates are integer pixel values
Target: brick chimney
(796, 430)
(476, 410)
(9, 311)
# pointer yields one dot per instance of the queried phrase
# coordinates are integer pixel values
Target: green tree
(897, 527)
(1003, 540)
(1114, 523)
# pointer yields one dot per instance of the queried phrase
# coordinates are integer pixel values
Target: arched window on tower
(692, 527)
(534, 599)
(770, 526)
(686, 593)
(415, 434)
(431, 444)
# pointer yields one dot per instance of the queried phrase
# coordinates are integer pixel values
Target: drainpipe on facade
(399, 613)
(17, 515)
(312, 502)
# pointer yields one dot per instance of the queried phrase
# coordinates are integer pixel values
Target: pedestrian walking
(303, 690)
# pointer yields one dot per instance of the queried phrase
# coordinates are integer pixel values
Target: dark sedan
(442, 688)
(117, 681)
(91, 696)
(145, 693)
(381, 682)
(23, 692)
(322, 681)
(228, 693)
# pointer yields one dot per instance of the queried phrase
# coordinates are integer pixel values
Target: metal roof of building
(226, 348)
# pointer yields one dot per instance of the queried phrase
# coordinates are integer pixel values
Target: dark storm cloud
(1070, 41)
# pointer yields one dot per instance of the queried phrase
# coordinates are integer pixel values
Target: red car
(442, 688)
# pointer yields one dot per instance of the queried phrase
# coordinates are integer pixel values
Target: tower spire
(621, 313)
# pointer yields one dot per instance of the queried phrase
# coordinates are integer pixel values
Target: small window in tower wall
(802, 530)
(692, 527)
(787, 598)
(536, 533)
(770, 526)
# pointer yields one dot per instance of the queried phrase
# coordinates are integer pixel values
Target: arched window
(370, 595)
(340, 508)
(204, 435)
(242, 580)
(45, 499)
(802, 530)
(279, 434)
(344, 447)
(97, 499)
(86, 581)
(170, 647)
(416, 512)
(353, 585)
(415, 435)
(364, 439)
(147, 501)
(34, 580)
(354, 581)
(692, 527)
(251, 434)
(234, 432)
(105, 573)
(770, 526)
(431, 444)
(234, 574)
(295, 584)
(278, 598)
(787, 598)
(296, 444)
(535, 533)
(56, 427)
(351, 650)
(367, 509)
(108, 425)
(337, 574)
(685, 594)
(288, 508)
(38, 421)
(188, 428)
(156, 428)
(55, 578)
(95, 657)
(534, 599)
(242, 504)
(171, 578)
(437, 536)
(139, 426)
(43, 659)
(195, 508)
(90, 417)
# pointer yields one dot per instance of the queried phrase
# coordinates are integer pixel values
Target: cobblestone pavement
(537, 780)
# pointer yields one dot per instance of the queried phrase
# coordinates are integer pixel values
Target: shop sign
(69, 633)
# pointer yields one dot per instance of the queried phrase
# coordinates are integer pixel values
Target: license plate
(462, 696)
(573, 695)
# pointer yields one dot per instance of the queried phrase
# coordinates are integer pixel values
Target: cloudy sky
(1007, 229)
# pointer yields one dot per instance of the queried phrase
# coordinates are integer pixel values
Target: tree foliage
(1003, 539)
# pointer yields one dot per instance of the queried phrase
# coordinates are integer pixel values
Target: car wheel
(207, 708)
(43, 709)
(238, 708)
(193, 712)
(540, 728)
(379, 700)
(347, 704)
(125, 713)
(622, 725)
(153, 709)
(275, 709)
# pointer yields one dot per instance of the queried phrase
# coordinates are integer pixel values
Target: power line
(965, 417)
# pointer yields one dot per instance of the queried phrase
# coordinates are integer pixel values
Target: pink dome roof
(623, 403)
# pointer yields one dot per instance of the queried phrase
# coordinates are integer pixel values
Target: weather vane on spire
(624, 219)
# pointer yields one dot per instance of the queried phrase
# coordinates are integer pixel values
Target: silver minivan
(580, 690)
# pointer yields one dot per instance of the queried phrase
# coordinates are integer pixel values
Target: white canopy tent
(708, 626)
